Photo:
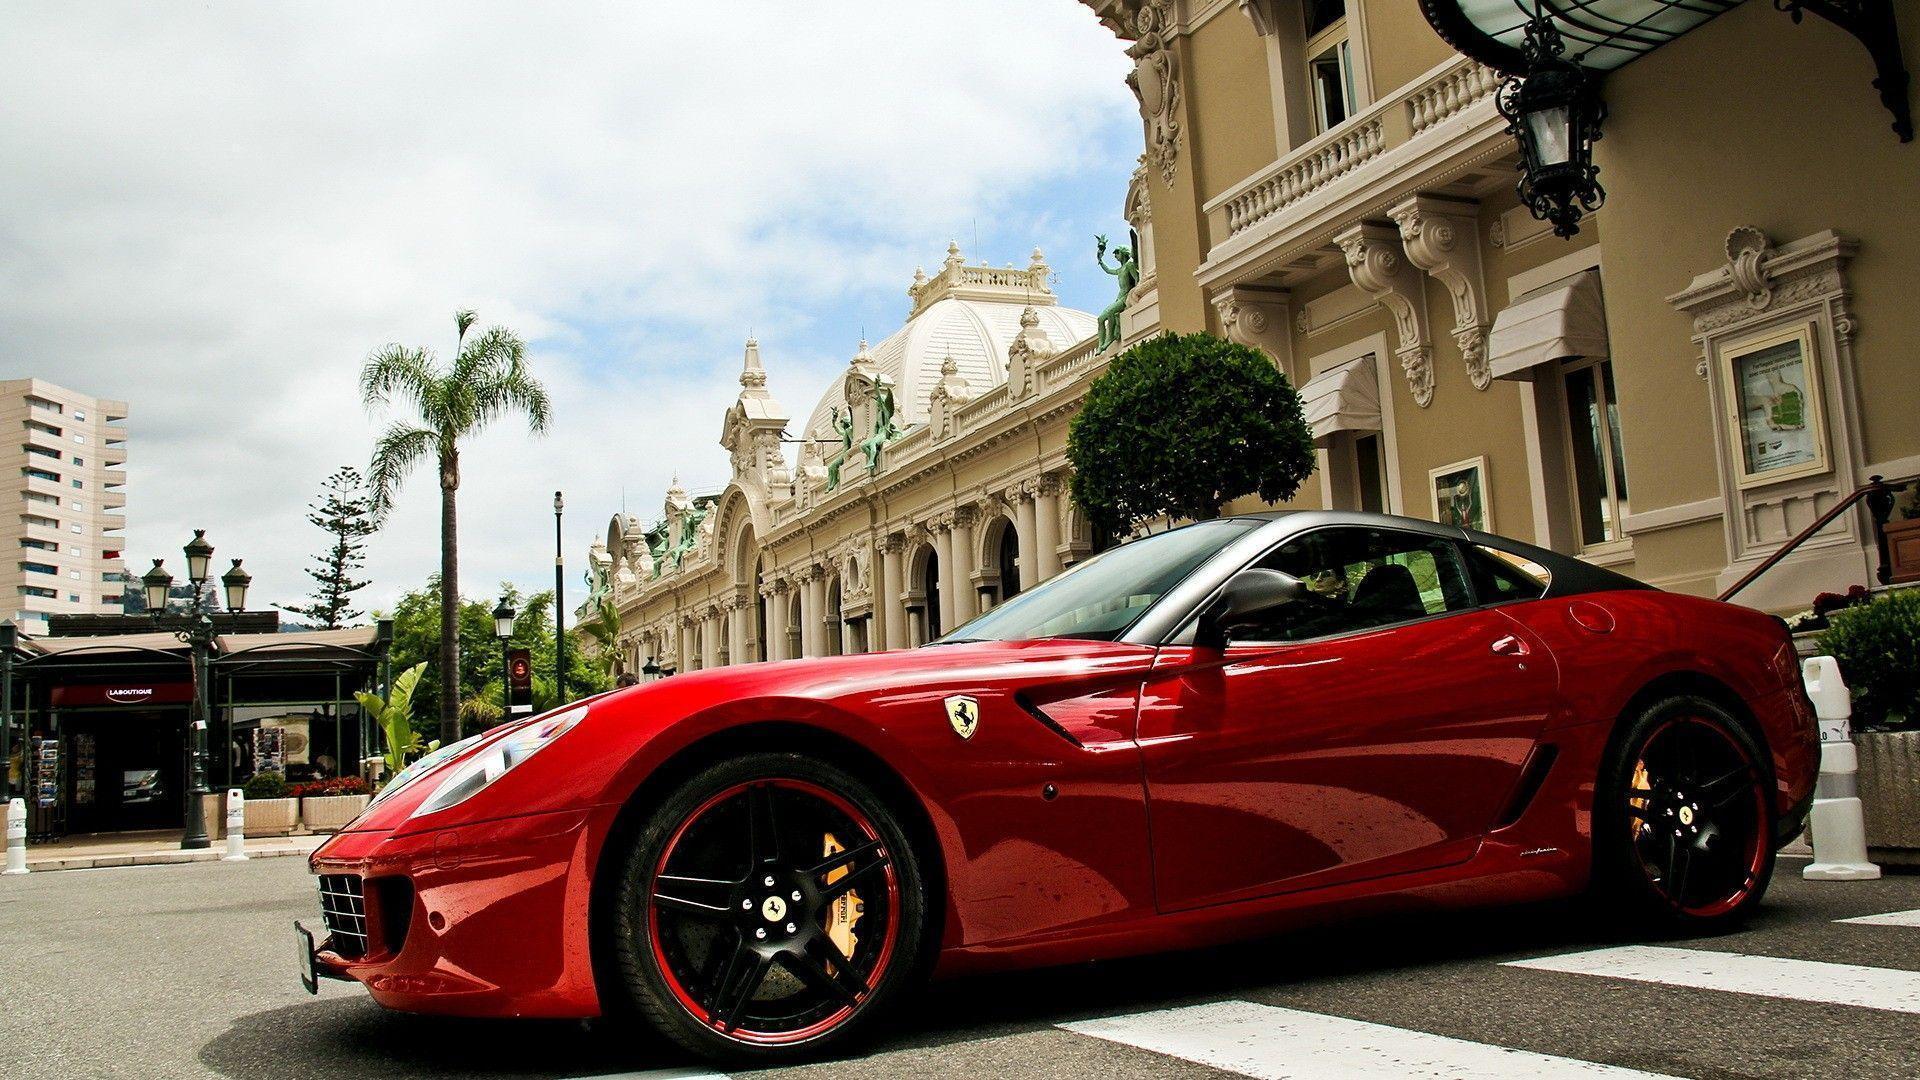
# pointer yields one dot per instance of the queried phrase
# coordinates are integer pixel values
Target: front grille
(344, 907)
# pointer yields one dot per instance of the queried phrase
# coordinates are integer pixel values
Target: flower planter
(331, 813)
(1890, 794)
(272, 817)
(1903, 549)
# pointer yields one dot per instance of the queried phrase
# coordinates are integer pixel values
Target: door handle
(1510, 646)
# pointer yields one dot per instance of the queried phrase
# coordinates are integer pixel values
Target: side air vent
(1532, 775)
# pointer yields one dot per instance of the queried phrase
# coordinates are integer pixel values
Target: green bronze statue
(844, 425)
(885, 427)
(1128, 273)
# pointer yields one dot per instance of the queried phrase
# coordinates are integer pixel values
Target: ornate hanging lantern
(1554, 112)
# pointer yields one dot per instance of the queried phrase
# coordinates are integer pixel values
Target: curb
(155, 858)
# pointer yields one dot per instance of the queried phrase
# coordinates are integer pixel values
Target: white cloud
(216, 211)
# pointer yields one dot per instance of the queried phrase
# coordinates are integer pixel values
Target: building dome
(969, 313)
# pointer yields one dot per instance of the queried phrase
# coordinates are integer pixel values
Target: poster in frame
(1776, 424)
(1459, 494)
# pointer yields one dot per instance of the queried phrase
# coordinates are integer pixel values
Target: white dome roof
(969, 313)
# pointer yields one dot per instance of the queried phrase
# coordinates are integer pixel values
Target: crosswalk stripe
(1892, 918)
(1763, 976)
(660, 1074)
(1274, 1043)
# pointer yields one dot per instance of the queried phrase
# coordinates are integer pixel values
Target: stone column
(710, 636)
(813, 612)
(1026, 528)
(689, 655)
(949, 579)
(736, 616)
(777, 620)
(887, 605)
(966, 603)
(1046, 528)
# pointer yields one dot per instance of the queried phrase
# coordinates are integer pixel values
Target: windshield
(1101, 597)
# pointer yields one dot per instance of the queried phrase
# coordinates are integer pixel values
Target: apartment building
(63, 478)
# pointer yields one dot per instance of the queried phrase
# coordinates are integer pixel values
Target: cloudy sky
(216, 210)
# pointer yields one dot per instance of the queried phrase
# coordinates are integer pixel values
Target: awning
(1600, 34)
(1346, 398)
(1564, 319)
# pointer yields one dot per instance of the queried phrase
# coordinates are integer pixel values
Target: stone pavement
(150, 848)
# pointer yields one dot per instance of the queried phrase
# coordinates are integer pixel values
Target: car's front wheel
(769, 908)
(1683, 817)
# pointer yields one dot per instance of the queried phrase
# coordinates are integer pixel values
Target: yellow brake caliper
(843, 917)
(1640, 782)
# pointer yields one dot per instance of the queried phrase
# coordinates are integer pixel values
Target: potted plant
(1903, 540)
(1877, 646)
(331, 805)
(270, 810)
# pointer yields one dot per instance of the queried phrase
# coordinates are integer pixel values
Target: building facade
(65, 479)
(1713, 360)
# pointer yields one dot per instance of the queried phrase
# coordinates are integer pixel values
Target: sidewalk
(153, 848)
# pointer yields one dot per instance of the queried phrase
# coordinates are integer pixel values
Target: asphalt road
(188, 971)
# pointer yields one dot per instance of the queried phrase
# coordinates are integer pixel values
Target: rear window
(1502, 577)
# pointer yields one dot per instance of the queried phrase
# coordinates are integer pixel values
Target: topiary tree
(1178, 426)
(1877, 646)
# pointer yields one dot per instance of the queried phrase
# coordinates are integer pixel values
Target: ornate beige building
(1715, 359)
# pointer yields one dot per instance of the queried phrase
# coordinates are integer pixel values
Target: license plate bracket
(303, 940)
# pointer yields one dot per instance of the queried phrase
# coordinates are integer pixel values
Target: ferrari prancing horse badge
(964, 714)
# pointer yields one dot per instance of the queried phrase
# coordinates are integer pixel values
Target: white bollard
(1839, 828)
(16, 834)
(236, 826)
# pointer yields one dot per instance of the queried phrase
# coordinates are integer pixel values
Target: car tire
(1683, 819)
(692, 996)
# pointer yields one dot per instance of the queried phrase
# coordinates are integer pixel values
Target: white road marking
(1284, 1044)
(659, 1074)
(1762, 976)
(1892, 918)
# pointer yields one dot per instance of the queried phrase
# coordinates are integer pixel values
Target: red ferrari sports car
(1210, 733)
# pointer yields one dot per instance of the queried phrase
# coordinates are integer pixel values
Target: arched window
(830, 639)
(1010, 568)
(930, 588)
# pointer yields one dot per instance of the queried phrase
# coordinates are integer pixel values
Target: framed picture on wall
(1460, 494)
(1776, 420)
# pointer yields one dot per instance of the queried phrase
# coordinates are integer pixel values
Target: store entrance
(126, 769)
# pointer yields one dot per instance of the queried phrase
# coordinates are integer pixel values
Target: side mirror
(1249, 594)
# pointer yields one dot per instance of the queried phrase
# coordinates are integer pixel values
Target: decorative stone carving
(1258, 318)
(1155, 81)
(1443, 238)
(1379, 267)
(1031, 347)
(948, 394)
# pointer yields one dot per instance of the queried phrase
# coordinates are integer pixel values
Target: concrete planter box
(331, 813)
(272, 817)
(1890, 794)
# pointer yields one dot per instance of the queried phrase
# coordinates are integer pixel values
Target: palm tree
(488, 379)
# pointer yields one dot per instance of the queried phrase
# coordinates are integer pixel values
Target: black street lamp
(503, 629)
(559, 606)
(196, 630)
(1554, 112)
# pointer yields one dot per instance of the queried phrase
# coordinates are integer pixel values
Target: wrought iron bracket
(1872, 23)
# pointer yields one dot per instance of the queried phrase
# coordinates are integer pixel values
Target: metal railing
(1878, 493)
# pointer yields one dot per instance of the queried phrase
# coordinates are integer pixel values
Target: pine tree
(345, 511)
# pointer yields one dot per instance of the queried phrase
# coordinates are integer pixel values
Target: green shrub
(1180, 425)
(266, 785)
(1878, 648)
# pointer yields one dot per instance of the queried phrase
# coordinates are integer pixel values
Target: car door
(1375, 727)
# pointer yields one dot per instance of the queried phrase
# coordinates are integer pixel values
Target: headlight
(426, 764)
(473, 775)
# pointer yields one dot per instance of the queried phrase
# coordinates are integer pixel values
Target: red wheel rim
(745, 901)
(1696, 813)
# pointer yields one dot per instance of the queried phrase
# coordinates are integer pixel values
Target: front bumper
(482, 919)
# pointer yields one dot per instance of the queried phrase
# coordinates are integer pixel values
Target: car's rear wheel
(770, 907)
(1683, 817)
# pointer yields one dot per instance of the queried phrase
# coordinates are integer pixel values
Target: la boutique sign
(130, 695)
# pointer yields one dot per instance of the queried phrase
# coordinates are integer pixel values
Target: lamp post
(197, 632)
(9, 637)
(503, 629)
(559, 606)
(1554, 112)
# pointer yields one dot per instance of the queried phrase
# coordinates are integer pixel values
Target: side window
(1502, 577)
(1360, 578)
